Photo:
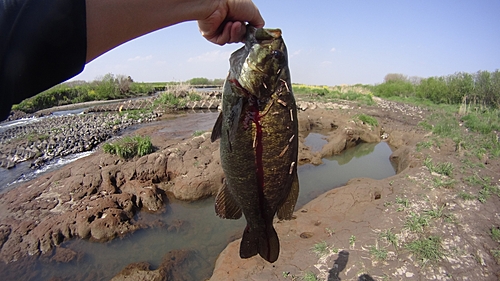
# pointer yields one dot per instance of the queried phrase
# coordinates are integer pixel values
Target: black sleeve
(42, 43)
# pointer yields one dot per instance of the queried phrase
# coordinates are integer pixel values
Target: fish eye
(277, 54)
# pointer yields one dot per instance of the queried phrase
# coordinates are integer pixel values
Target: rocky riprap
(58, 136)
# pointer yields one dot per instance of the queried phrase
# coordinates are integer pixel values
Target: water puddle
(194, 226)
(366, 160)
(315, 141)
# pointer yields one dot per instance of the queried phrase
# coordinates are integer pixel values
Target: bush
(129, 147)
(481, 88)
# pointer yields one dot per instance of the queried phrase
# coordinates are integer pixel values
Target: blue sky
(330, 43)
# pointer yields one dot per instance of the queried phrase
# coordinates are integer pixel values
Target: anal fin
(285, 211)
(226, 206)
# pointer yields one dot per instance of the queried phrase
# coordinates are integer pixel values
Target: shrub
(128, 147)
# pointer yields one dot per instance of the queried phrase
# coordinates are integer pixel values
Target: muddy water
(366, 160)
(194, 226)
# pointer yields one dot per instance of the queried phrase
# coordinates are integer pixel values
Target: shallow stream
(199, 229)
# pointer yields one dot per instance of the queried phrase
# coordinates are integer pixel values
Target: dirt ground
(425, 223)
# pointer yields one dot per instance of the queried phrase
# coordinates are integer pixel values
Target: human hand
(226, 22)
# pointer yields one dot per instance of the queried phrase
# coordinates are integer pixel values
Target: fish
(258, 133)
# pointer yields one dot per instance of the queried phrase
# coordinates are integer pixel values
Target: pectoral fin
(217, 130)
(285, 211)
(225, 205)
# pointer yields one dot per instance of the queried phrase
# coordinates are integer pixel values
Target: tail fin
(263, 241)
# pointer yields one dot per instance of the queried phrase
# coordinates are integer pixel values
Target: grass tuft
(128, 147)
(379, 254)
(416, 222)
(427, 249)
(320, 249)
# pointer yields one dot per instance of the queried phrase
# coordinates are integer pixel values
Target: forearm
(111, 23)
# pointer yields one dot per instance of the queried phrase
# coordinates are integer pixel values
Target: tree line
(107, 87)
(480, 88)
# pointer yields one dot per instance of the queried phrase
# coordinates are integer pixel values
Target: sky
(329, 43)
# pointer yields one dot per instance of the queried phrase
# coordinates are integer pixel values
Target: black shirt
(42, 43)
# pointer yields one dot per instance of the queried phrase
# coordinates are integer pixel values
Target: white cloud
(332, 50)
(210, 56)
(296, 53)
(139, 58)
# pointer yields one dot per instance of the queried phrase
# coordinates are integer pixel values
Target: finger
(238, 30)
(224, 37)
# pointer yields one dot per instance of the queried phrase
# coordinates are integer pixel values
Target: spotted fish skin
(258, 133)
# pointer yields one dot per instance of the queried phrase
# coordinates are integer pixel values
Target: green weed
(495, 233)
(426, 249)
(369, 120)
(390, 237)
(496, 255)
(438, 182)
(435, 213)
(379, 254)
(198, 133)
(128, 147)
(320, 249)
(425, 144)
(465, 196)
(416, 222)
(403, 202)
(352, 240)
(310, 276)
(445, 168)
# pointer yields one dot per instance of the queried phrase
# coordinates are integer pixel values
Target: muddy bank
(362, 231)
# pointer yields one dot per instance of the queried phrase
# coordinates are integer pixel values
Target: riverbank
(98, 198)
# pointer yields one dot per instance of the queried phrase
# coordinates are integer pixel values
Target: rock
(64, 255)
(175, 266)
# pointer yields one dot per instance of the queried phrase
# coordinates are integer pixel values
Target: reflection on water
(366, 160)
(200, 229)
(315, 141)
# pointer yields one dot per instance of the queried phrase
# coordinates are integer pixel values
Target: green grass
(352, 240)
(359, 94)
(128, 147)
(435, 213)
(483, 122)
(403, 202)
(369, 120)
(416, 222)
(424, 144)
(496, 254)
(379, 254)
(198, 133)
(320, 249)
(169, 99)
(495, 233)
(426, 249)
(310, 276)
(445, 168)
(465, 196)
(447, 183)
(390, 237)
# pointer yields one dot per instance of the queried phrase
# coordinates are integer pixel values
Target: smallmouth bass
(258, 129)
